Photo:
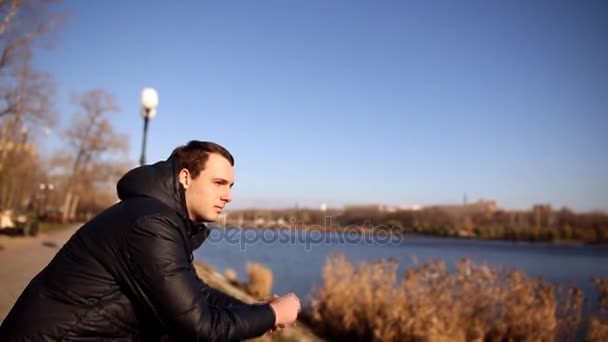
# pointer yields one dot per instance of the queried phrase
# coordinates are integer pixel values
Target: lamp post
(45, 189)
(149, 102)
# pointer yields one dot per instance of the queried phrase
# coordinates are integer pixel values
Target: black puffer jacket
(127, 275)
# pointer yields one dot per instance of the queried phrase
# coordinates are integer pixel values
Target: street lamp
(149, 102)
(46, 189)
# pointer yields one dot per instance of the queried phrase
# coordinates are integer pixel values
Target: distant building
(366, 207)
(409, 207)
(481, 206)
(543, 215)
(259, 221)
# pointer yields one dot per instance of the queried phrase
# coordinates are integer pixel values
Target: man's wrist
(274, 312)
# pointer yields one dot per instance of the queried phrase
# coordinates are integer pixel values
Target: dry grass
(474, 303)
(598, 324)
(260, 280)
(231, 276)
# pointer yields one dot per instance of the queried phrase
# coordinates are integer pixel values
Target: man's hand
(270, 299)
(286, 309)
(276, 328)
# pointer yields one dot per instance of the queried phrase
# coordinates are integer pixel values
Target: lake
(297, 257)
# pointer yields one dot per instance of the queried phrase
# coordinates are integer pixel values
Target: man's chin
(209, 218)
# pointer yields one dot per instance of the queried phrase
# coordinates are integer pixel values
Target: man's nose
(227, 196)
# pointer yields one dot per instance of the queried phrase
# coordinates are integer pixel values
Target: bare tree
(23, 22)
(96, 148)
(31, 98)
(30, 101)
(100, 183)
(26, 96)
(18, 164)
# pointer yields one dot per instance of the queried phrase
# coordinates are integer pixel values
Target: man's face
(207, 194)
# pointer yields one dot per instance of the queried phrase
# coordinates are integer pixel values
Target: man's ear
(184, 178)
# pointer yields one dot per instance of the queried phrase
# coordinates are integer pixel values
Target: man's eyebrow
(223, 181)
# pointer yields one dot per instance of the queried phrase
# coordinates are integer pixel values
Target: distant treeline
(540, 223)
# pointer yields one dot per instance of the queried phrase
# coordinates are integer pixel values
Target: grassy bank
(367, 302)
(301, 332)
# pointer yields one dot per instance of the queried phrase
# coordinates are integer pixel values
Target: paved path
(21, 258)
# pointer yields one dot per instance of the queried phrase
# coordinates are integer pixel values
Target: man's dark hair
(194, 155)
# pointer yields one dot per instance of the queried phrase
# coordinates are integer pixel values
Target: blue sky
(344, 102)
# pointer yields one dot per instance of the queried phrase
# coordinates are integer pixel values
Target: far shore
(398, 232)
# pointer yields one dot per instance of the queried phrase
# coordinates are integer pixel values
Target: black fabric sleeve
(213, 296)
(219, 298)
(165, 283)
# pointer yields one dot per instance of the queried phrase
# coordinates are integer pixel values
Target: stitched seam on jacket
(155, 313)
(94, 304)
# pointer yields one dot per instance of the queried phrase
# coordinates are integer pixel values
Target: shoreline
(383, 230)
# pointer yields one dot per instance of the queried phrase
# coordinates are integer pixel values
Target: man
(127, 274)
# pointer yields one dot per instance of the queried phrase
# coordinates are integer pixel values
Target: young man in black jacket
(127, 274)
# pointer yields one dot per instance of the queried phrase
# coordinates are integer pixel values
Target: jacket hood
(157, 181)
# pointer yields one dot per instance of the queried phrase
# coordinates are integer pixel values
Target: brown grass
(231, 276)
(598, 324)
(260, 280)
(474, 303)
